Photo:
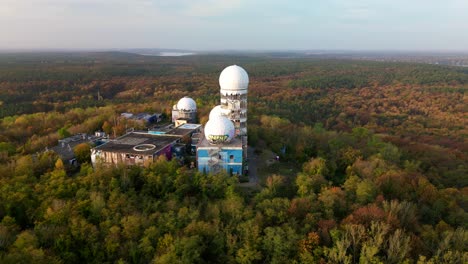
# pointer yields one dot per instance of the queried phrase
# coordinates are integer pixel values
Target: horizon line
(132, 50)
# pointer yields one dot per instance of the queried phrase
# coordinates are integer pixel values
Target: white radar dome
(234, 78)
(218, 111)
(219, 130)
(187, 104)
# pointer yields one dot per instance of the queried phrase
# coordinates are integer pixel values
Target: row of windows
(235, 96)
(130, 156)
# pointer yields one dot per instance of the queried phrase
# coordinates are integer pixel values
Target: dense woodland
(374, 165)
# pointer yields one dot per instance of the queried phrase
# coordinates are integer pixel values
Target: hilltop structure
(220, 145)
(224, 145)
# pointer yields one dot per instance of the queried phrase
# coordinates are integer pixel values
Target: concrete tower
(185, 111)
(225, 143)
(234, 83)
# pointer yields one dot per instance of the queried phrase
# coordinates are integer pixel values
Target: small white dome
(218, 111)
(219, 130)
(187, 104)
(234, 78)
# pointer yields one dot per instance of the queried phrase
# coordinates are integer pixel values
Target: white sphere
(219, 130)
(187, 104)
(234, 78)
(218, 111)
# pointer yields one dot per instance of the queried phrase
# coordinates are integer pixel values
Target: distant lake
(175, 53)
(168, 54)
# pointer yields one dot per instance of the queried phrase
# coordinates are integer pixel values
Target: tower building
(234, 82)
(185, 111)
(224, 145)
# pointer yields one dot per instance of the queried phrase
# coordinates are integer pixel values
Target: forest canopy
(373, 163)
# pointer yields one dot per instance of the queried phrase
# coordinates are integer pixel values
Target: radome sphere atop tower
(187, 104)
(234, 78)
(218, 111)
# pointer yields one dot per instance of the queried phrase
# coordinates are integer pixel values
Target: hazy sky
(235, 24)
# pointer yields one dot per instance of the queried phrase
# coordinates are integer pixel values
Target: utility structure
(185, 111)
(225, 143)
(234, 83)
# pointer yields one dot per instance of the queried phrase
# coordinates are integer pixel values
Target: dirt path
(253, 169)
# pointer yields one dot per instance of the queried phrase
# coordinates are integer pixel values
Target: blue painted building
(224, 144)
(216, 158)
(219, 149)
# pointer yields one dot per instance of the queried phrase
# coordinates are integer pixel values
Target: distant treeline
(365, 74)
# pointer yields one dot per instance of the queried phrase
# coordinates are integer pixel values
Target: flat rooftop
(184, 129)
(138, 143)
(181, 130)
(162, 128)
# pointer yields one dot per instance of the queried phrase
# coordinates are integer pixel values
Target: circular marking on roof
(144, 147)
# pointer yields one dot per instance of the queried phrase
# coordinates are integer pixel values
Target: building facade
(134, 149)
(140, 148)
(214, 159)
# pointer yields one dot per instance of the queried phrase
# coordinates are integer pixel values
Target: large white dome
(234, 78)
(219, 130)
(218, 111)
(187, 104)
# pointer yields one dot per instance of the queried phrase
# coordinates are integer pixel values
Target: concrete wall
(115, 158)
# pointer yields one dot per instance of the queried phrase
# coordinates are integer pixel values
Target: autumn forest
(373, 163)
